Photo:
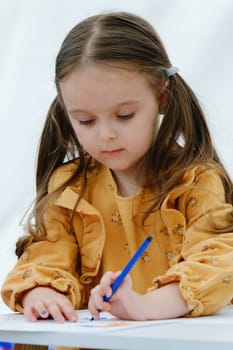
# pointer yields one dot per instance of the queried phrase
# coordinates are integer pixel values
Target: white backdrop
(198, 35)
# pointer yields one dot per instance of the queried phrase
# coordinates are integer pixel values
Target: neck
(126, 184)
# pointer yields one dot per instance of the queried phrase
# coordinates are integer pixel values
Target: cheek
(146, 138)
(147, 130)
(74, 124)
(80, 135)
(78, 132)
(86, 139)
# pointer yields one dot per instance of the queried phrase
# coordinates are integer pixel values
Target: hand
(124, 304)
(163, 303)
(42, 302)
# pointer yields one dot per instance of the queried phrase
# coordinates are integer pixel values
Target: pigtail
(184, 108)
(58, 144)
(183, 141)
(57, 141)
(183, 138)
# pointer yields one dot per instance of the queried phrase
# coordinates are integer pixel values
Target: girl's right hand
(42, 302)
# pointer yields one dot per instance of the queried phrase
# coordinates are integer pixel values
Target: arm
(50, 263)
(200, 278)
(204, 263)
(62, 264)
(163, 303)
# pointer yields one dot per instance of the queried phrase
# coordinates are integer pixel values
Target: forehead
(103, 84)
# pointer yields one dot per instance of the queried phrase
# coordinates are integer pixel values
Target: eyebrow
(77, 110)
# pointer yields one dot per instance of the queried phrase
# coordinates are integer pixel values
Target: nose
(107, 131)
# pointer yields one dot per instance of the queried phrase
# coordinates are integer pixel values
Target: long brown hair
(122, 38)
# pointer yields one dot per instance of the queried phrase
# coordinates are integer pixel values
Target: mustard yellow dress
(107, 229)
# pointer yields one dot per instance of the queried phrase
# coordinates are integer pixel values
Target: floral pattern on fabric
(186, 248)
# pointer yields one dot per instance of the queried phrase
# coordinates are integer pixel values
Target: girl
(125, 152)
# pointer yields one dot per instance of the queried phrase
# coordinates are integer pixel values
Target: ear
(163, 97)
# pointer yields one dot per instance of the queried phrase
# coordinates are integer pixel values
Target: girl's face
(114, 113)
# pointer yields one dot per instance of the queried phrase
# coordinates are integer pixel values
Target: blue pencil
(129, 266)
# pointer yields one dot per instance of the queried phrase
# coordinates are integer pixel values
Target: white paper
(107, 323)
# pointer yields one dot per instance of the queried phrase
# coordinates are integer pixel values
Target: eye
(86, 122)
(125, 116)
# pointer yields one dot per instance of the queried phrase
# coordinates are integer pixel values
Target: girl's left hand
(124, 304)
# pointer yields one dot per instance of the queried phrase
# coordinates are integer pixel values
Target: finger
(55, 312)
(68, 311)
(108, 278)
(96, 303)
(106, 283)
(31, 314)
(95, 312)
(41, 310)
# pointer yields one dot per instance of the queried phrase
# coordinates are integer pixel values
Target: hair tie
(171, 71)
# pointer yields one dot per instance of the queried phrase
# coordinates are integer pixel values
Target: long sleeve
(46, 263)
(69, 259)
(203, 256)
(51, 262)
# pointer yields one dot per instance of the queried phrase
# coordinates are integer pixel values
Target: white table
(209, 333)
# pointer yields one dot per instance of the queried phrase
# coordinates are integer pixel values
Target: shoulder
(62, 174)
(205, 177)
(204, 193)
(65, 172)
(201, 180)
(200, 191)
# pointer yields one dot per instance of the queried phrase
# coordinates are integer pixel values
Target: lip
(112, 152)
